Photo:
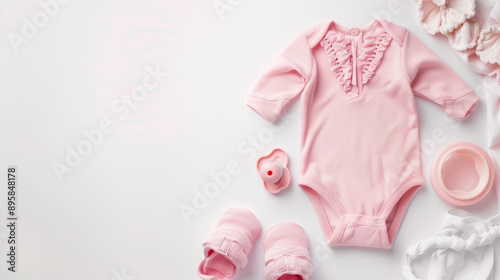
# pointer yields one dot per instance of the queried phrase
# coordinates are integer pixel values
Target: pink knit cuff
(461, 107)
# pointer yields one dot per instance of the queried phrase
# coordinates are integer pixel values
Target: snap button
(354, 31)
(346, 219)
(362, 219)
(380, 222)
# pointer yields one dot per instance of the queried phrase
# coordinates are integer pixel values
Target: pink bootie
(227, 248)
(287, 253)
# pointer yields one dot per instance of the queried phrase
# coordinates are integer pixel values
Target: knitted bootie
(287, 253)
(227, 248)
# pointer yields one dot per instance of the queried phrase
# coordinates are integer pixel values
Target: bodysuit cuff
(268, 109)
(461, 107)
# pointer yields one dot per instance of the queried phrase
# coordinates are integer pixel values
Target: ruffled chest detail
(373, 49)
(349, 55)
(339, 53)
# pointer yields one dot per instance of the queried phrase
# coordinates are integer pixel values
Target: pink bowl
(462, 174)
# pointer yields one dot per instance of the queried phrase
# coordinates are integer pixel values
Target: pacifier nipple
(271, 172)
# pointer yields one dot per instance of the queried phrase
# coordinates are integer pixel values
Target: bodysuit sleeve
(283, 81)
(433, 79)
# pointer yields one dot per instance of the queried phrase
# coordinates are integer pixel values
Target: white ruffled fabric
(488, 44)
(465, 36)
(464, 248)
(477, 35)
(444, 16)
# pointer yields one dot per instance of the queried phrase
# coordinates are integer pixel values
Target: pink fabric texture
(287, 253)
(360, 150)
(227, 248)
(472, 28)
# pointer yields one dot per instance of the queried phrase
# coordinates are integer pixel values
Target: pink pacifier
(274, 171)
(462, 174)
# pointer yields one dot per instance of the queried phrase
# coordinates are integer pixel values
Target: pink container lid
(462, 174)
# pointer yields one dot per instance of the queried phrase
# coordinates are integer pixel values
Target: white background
(116, 215)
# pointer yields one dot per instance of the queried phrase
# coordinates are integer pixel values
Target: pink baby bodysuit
(360, 150)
